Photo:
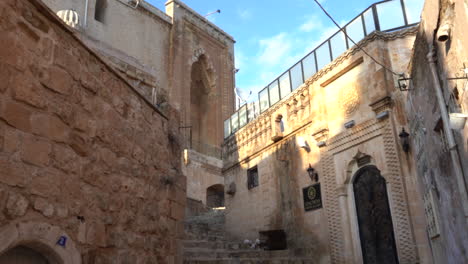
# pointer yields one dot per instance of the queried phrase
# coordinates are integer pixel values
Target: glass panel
(235, 122)
(251, 111)
(227, 128)
(309, 66)
(285, 85)
(243, 116)
(355, 31)
(413, 10)
(390, 15)
(274, 92)
(338, 44)
(369, 21)
(296, 76)
(264, 102)
(323, 55)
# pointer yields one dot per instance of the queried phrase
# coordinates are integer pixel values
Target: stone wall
(444, 205)
(139, 37)
(338, 108)
(82, 154)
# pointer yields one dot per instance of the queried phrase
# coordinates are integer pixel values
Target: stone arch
(215, 196)
(202, 106)
(41, 238)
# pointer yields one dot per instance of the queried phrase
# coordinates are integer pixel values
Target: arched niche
(203, 106)
(39, 241)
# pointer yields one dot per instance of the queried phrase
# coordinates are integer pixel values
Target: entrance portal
(374, 217)
(22, 255)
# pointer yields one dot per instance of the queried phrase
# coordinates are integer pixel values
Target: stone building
(327, 167)
(117, 121)
(98, 99)
(438, 89)
(177, 58)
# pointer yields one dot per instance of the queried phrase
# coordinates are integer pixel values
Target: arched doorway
(23, 255)
(215, 196)
(374, 217)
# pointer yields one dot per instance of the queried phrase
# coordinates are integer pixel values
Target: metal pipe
(448, 133)
(85, 21)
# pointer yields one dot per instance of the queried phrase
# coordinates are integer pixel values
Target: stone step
(251, 261)
(214, 244)
(190, 253)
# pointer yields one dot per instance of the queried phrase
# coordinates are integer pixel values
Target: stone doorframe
(336, 202)
(348, 205)
(41, 237)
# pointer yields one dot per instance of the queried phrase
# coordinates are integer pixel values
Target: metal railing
(389, 15)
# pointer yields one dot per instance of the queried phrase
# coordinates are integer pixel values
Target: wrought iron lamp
(404, 140)
(312, 174)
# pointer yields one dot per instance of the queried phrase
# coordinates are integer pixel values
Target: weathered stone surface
(43, 206)
(17, 115)
(36, 151)
(16, 205)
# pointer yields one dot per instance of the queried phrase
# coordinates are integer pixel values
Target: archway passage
(23, 255)
(374, 217)
(215, 196)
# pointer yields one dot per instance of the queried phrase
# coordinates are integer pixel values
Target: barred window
(252, 178)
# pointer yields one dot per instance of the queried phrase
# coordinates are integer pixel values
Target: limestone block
(59, 81)
(16, 205)
(35, 151)
(43, 206)
(96, 234)
(13, 174)
(17, 115)
(26, 90)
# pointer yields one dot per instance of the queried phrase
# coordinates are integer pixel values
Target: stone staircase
(206, 242)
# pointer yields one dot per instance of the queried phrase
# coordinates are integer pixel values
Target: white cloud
(244, 14)
(311, 24)
(274, 49)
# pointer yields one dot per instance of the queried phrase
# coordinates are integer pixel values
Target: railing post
(404, 12)
(376, 17)
(316, 64)
(363, 25)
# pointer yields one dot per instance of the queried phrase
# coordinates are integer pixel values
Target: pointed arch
(203, 105)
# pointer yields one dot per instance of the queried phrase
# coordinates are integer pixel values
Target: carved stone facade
(344, 118)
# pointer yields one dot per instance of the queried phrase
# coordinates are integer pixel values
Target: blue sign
(62, 241)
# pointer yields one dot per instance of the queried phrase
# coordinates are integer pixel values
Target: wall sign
(62, 241)
(312, 197)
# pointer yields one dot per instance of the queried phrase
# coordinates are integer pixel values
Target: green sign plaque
(312, 197)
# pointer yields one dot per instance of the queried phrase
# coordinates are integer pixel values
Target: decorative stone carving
(349, 99)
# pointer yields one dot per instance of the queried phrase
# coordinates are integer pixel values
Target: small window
(100, 10)
(252, 178)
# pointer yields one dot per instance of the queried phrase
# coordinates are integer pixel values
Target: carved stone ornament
(349, 100)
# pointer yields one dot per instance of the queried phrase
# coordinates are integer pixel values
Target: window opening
(100, 10)
(252, 178)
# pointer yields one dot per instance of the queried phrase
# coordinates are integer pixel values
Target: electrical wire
(358, 46)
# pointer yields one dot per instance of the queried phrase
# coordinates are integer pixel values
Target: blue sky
(272, 35)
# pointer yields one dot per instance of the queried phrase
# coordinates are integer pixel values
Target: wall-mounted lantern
(404, 140)
(403, 83)
(312, 174)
